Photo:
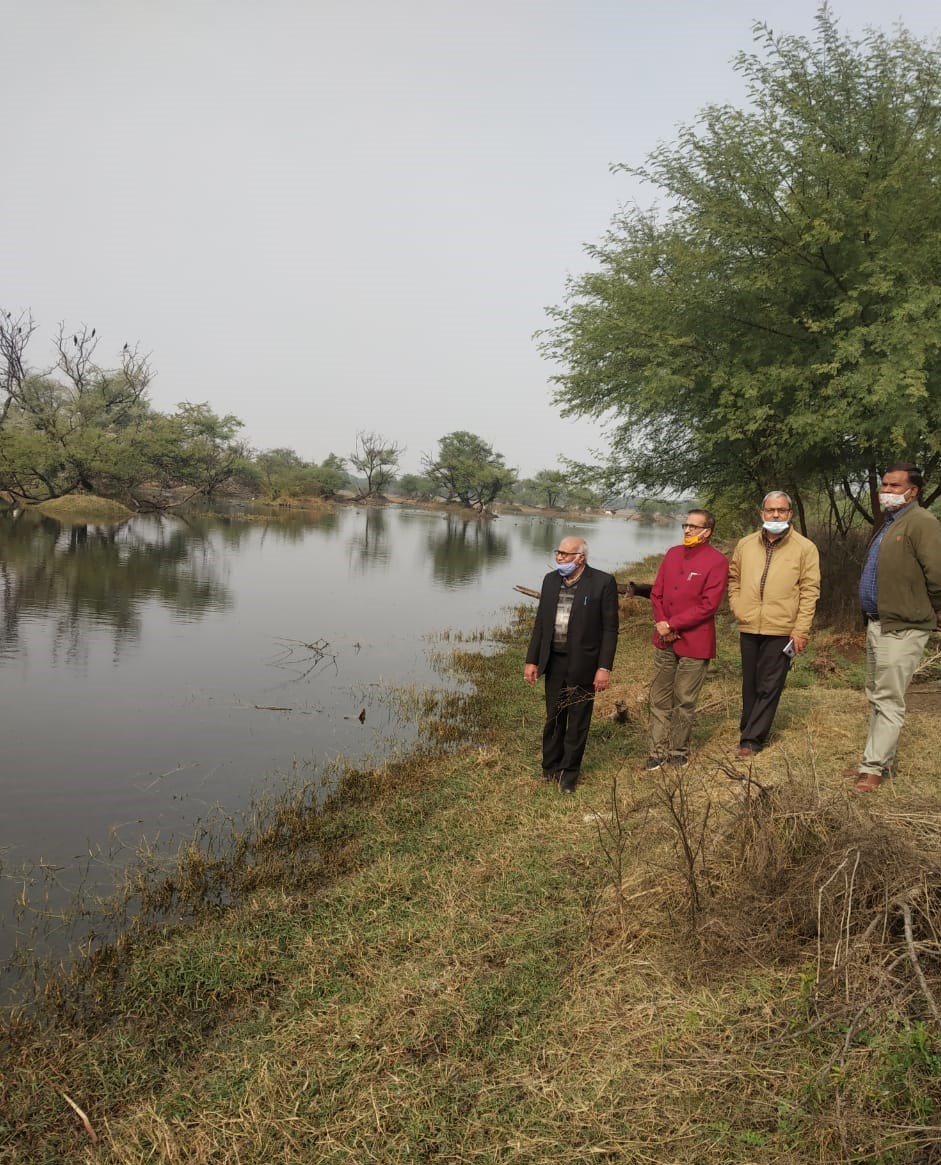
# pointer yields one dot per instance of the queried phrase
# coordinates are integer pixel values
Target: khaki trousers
(891, 660)
(673, 695)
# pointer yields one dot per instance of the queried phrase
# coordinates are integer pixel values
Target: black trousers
(568, 716)
(764, 674)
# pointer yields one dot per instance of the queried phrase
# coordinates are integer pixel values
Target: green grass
(450, 961)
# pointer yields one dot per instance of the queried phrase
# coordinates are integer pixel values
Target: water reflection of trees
(460, 548)
(83, 575)
(370, 546)
(545, 534)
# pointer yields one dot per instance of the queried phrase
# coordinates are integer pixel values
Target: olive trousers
(674, 690)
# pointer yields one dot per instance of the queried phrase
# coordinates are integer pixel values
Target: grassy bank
(453, 962)
(79, 509)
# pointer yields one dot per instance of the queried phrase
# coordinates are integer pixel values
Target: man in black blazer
(572, 645)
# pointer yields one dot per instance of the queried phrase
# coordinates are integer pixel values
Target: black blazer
(593, 626)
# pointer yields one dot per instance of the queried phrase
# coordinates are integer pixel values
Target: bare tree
(15, 332)
(377, 460)
(111, 394)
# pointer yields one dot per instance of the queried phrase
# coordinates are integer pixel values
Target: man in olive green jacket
(900, 595)
(774, 584)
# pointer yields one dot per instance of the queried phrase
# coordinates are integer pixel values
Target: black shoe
(653, 763)
(567, 782)
(678, 761)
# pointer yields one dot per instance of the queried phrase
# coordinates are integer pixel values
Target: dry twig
(83, 1117)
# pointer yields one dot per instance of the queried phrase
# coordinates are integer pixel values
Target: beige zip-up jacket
(774, 593)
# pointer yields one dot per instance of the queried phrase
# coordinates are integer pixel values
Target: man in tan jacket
(774, 584)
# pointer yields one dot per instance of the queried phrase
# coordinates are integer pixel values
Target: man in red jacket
(687, 592)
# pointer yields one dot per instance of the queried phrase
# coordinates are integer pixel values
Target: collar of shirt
(891, 515)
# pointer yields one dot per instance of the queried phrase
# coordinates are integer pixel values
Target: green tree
(377, 460)
(468, 470)
(582, 497)
(195, 448)
(413, 485)
(330, 475)
(776, 325)
(284, 473)
(74, 425)
(552, 486)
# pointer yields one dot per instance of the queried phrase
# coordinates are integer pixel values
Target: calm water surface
(152, 670)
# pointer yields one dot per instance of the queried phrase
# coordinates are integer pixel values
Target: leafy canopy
(468, 470)
(776, 323)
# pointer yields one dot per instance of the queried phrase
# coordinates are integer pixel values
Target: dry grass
(732, 964)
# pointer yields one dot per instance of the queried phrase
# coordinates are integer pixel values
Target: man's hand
(530, 673)
(800, 642)
(602, 676)
(663, 630)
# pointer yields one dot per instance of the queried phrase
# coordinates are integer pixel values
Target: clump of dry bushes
(774, 872)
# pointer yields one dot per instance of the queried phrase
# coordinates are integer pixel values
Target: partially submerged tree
(196, 448)
(82, 425)
(468, 470)
(377, 460)
(776, 325)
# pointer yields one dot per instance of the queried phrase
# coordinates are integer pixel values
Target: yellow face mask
(694, 539)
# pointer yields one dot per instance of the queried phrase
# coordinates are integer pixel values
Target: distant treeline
(83, 425)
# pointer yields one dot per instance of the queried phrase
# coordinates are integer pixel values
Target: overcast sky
(328, 216)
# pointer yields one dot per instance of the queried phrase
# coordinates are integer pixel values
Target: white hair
(777, 493)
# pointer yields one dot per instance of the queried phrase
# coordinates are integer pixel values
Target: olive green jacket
(909, 575)
(777, 597)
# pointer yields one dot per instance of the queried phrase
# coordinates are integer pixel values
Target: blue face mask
(566, 568)
(776, 527)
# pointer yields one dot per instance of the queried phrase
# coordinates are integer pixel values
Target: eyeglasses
(567, 553)
(692, 526)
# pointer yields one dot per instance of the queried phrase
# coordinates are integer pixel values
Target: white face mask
(893, 501)
(775, 527)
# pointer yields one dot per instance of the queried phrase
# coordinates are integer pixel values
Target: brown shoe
(868, 782)
(853, 772)
(746, 751)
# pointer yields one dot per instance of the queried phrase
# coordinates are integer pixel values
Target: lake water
(153, 670)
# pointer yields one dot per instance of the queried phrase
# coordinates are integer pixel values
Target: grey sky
(333, 215)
